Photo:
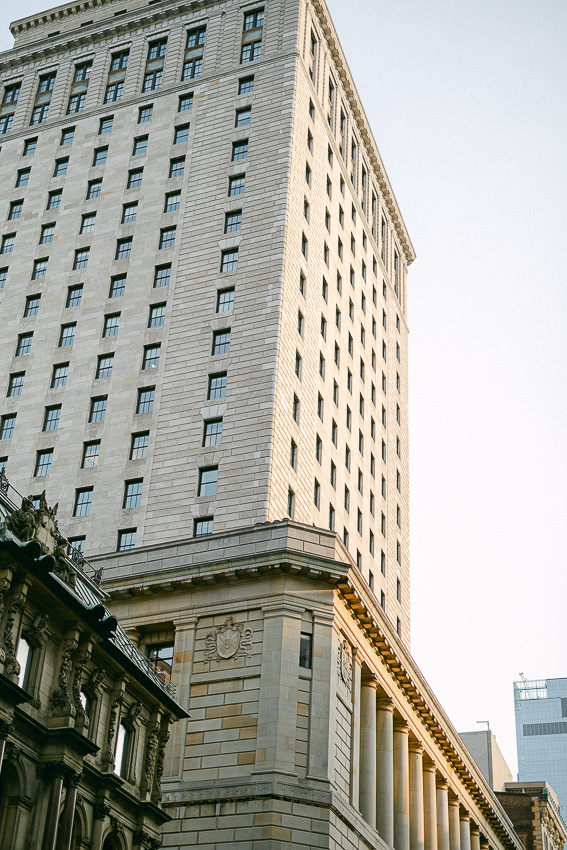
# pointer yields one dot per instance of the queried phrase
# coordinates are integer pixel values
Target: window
(304, 245)
(91, 452)
(139, 445)
(371, 542)
(123, 248)
(121, 751)
(43, 98)
(30, 146)
(298, 364)
(172, 201)
(236, 185)
(243, 117)
(32, 305)
(104, 365)
(347, 458)
(245, 85)
(105, 125)
(8, 243)
(93, 190)
(317, 494)
(7, 425)
(333, 477)
(212, 432)
(308, 174)
(81, 258)
(67, 136)
(3, 276)
(116, 76)
(181, 134)
(9, 101)
(293, 455)
(126, 539)
(24, 656)
(98, 409)
(302, 283)
(132, 493)
(135, 178)
(325, 290)
(154, 65)
(79, 87)
(252, 36)
(51, 418)
(15, 384)
(335, 393)
(194, 48)
(318, 448)
(331, 518)
(229, 260)
(15, 210)
(47, 232)
(300, 323)
(290, 503)
(398, 481)
(129, 212)
(202, 527)
(306, 210)
(39, 268)
(309, 141)
(83, 500)
(221, 342)
(59, 375)
(145, 403)
(240, 150)
(177, 167)
(320, 406)
(140, 146)
(111, 325)
(225, 300)
(167, 237)
(217, 386)
(295, 408)
(87, 223)
(157, 315)
(208, 481)
(162, 276)
(24, 344)
(67, 335)
(305, 650)
(117, 286)
(185, 103)
(23, 177)
(100, 156)
(150, 359)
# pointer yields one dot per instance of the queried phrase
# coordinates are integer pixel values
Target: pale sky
(467, 103)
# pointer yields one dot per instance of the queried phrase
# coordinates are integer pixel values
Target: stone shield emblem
(228, 641)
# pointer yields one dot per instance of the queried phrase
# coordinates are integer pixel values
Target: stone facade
(533, 808)
(84, 718)
(310, 724)
(314, 414)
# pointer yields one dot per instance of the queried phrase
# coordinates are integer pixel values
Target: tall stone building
(203, 272)
(204, 281)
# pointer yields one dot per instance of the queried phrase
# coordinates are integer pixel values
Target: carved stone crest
(345, 663)
(231, 640)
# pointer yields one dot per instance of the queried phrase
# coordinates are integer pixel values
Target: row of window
(251, 46)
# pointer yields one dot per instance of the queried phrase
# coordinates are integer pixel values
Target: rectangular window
(39, 269)
(15, 210)
(194, 48)
(104, 365)
(98, 409)
(181, 134)
(240, 150)
(67, 335)
(317, 494)
(32, 305)
(236, 185)
(105, 125)
(243, 117)
(154, 65)
(111, 325)
(167, 237)
(145, 403)
(185, 103)
(24, 344)
(202, 527)
(81, 258)
(290, 503)
(116, 76)
(88, 223)
(145, 114)
(129, 212)
(140, 146)
(252, 31)
(47, 233)
(43, 462)
(7, 425)
(135, 178)
(162, 276)
(30, 147)
(172, 201)
(79, 87)
(59, 375)
(123, 248)
(177, 167)
(83, 500)
(150, 359)
(51, 418)
(91, 452)
(43, 98)
(9, 101)
(117, 286)
(15, 384)
(232, 221)
(8, 243)
(208, 481)
(245, 85)
(293, 455)
(94, 189)
(229, 260)
(331, 518)
(139, 445)
(217, 386)
(212, 432)
(100, 156)
(132, 493)
(23, 177)
(126, 539)
(221, 342)
(157, 315)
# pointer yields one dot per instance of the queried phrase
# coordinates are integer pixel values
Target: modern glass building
(541, 733)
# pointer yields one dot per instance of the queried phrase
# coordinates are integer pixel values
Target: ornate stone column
(385, 769)
(465, 830)
(442, 815)
(55, 771)
(430, 806)
(475, 837)
(417, 818)
(454, 824)
(401, 785)
(367, 794)
(66, 826)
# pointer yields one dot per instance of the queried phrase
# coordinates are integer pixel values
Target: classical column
(183, 656)
(417, 823)
(355, 736)
(465, 830)
(367, 794)
(454, 824)
(429, 806)
(321, 706)
(401, 785)
(475, 837)
(66, 826)
(442, 815)
(57, 772)
(385, 771)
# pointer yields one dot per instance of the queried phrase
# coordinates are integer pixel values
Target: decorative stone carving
(22, 522)
(112, 725)
(345, 663)
(97, 678)
(231, 640)
(62, 567)
(150, 756)
(36, 632)
(163, 739)
(101, 809)
(81, 661)
(134, 711)
(6, 727)
(4, 588)
(61, 704)
(143, 839)
(15, 603)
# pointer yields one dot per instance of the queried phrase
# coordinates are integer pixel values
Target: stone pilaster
(385, 771)
(417, 818)
(401, 785)
(367, 794)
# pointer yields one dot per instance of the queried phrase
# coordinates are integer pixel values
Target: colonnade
(401, 792)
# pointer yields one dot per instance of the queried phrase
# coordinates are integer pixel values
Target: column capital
(401, 725)
(369, 682)
(464, 814)
(442, 783)
(415, 747)
(429, 765)
(475, 830)
(385, 703)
